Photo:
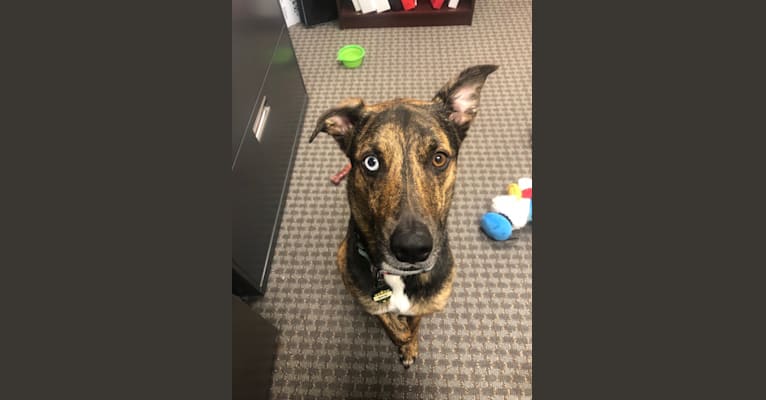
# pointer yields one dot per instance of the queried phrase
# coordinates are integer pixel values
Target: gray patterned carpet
(480, 347)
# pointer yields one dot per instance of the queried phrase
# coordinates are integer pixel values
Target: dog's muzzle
(411, 242)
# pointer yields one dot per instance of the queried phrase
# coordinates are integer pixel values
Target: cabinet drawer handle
(260, 119)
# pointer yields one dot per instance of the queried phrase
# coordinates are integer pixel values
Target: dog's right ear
(341, 122)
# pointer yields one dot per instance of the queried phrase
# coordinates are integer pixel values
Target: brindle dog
(395, 259)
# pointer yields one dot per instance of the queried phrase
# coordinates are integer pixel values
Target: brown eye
(440, 160)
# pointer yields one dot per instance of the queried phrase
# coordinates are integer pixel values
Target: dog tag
(381, 292)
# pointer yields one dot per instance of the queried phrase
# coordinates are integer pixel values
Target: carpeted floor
(480, 347)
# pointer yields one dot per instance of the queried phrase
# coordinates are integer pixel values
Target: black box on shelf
(313, 12)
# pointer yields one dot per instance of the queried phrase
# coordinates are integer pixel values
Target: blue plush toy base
(530, 212)
(496, 226)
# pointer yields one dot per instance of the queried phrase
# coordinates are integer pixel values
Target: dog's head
(403, 155)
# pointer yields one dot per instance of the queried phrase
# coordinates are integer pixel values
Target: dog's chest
(399, 303)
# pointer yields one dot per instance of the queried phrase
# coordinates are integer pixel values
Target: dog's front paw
(407, 362)
(408, 353)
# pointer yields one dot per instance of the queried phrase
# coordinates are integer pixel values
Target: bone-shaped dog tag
(381, 292)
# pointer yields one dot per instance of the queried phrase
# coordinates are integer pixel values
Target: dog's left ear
(460, 96)
(340, 122)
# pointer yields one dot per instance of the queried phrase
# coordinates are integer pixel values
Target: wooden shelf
(422, 15)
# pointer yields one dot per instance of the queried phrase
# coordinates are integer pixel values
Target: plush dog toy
(509, 212)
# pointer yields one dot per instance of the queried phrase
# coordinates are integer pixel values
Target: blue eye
(371, 163)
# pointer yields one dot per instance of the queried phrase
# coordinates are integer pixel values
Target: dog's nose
(411, 243)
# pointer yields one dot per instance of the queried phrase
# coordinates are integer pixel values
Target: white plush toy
(509, 212)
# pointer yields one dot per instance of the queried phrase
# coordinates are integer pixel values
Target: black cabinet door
(263, 164)
(255, 29)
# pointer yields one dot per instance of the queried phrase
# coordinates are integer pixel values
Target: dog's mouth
(393, 266)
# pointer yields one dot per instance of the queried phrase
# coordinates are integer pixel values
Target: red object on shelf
(437, 4)
(422, 14)
(409, 4)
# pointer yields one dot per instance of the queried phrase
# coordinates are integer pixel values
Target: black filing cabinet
(268, 103)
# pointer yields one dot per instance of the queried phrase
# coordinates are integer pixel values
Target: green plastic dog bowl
(351, 56)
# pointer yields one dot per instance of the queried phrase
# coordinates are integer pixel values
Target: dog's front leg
(397, 329)
(409, 351)
(403, 332)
